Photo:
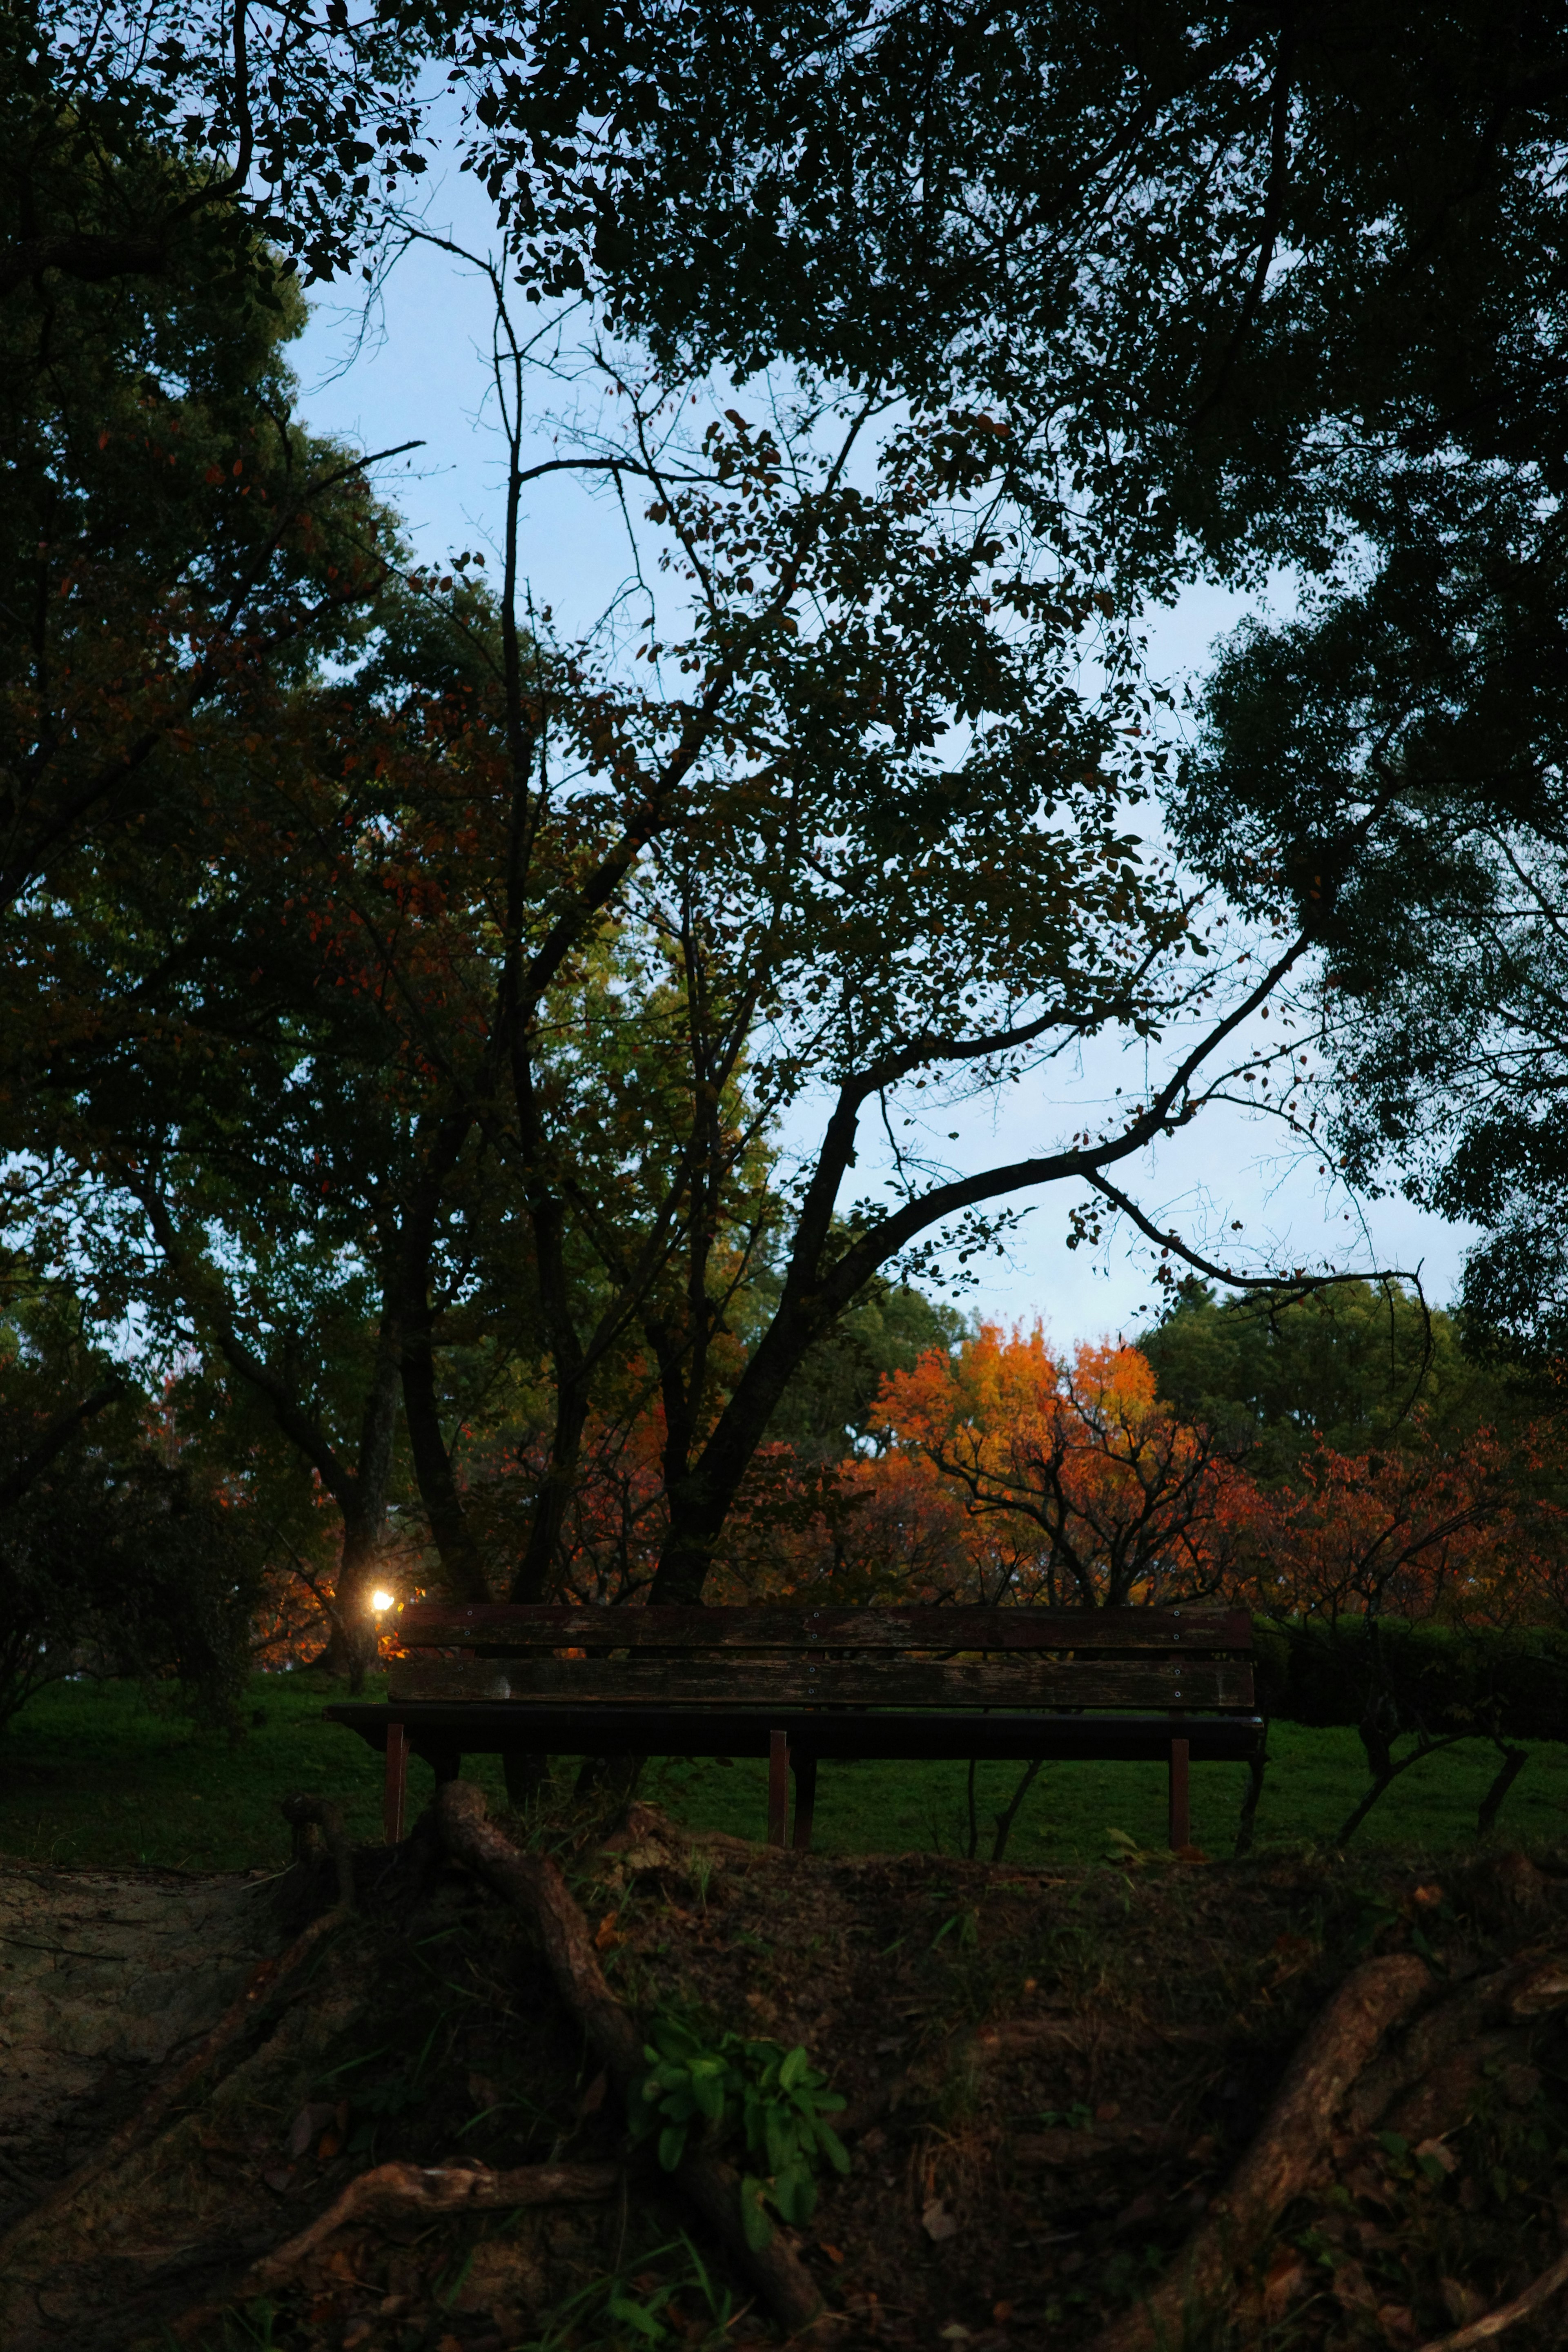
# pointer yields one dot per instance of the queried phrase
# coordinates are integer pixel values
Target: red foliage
(1078, 1486)
(1434, 1527)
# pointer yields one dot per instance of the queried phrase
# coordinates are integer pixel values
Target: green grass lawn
(91, 1773)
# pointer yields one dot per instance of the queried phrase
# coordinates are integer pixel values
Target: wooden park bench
(1170, 1686)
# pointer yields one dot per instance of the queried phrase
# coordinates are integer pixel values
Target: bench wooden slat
(502, 1627)
(449, 1729)
(795, 1681)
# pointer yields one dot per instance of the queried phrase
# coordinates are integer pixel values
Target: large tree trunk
(536, 1569)
(351, 1645)
(462, 1568)
(701, 1501)
(352, 1648)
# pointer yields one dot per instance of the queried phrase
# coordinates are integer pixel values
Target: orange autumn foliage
(1010, 1475)
(1435, 1527)
(1079, 1486)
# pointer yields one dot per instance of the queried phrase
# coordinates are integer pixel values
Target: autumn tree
(1096, 1492)
(201, 1029)
(1237, 291)
(253, 1131)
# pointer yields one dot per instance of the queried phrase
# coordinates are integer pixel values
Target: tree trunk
(462, 1568)
(351, 1648)
(536, 1569)
(700, 1502)
(1514, 1760)
(1009, 1813)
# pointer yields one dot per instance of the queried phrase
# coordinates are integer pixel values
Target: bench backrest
(1188, 1659)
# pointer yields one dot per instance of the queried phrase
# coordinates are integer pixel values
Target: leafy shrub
(1445, 1678)
(768, 2097)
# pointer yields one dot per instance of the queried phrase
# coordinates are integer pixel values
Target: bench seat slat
(866, 1681)
(502, 1627)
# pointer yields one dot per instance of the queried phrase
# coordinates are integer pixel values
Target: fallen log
(532, 1885)
(434, 2189)
(1285, 2154)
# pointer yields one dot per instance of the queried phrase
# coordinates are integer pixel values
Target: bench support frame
(442, 1735)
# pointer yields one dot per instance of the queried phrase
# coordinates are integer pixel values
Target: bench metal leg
(395, 1788)
(1181, 1816)
(804, 1802)
(778, 1788)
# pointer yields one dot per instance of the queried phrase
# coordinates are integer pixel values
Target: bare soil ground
(1051, 2080)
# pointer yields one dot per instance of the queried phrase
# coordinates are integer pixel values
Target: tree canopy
(476, 1041)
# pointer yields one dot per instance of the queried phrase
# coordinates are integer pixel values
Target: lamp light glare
(380, 1599)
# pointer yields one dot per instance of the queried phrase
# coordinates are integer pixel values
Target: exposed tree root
(418, 2188)
(1285, 2154)
(263, 1982)
(534, 1885)
(1493, 2324)
(644, 1826)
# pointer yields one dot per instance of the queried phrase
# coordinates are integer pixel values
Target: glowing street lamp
(381, 1602)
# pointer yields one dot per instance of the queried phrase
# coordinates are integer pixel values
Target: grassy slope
(90, 1774)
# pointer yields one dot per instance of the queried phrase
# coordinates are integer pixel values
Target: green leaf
(633, 2315)
(780, 2139)
(832, 2147)
(707, 2086)
(758, 2228)
(672, 2145)
(794, 2194)
(794, 2067)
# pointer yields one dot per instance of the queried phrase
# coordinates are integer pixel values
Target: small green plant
(770, 2098)
(1079, 2117)
(964, 1926)
(636, 2306)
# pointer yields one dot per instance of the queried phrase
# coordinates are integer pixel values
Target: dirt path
(108, 1979)
(104, 1976)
